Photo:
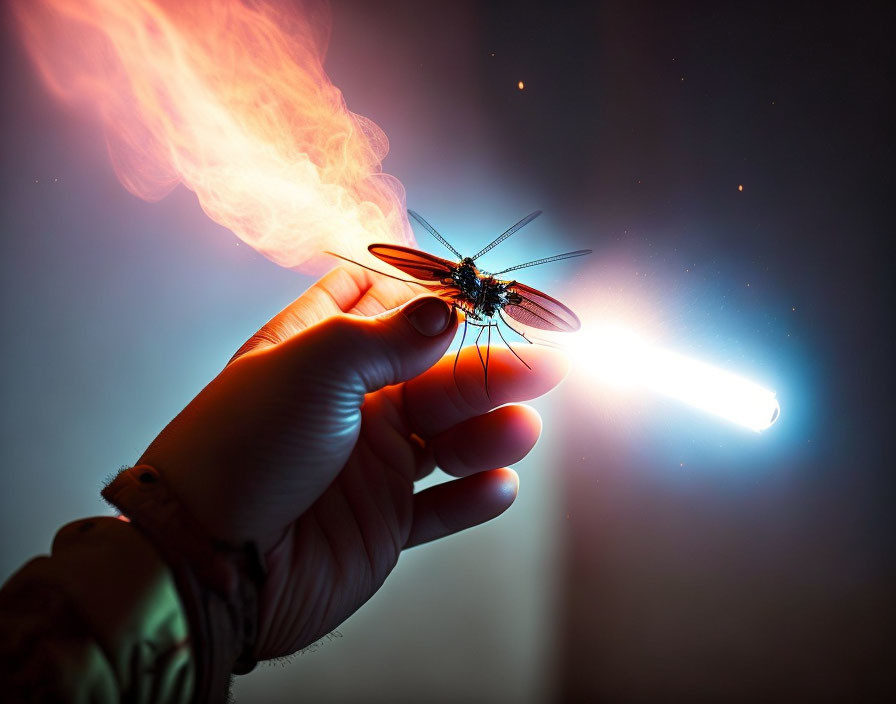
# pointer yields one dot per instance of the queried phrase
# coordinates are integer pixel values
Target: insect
(483, 298)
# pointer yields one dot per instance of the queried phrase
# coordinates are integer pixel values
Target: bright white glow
(619, 357)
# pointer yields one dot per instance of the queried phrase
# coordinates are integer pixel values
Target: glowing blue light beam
(617, 356)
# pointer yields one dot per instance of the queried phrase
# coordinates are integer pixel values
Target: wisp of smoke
(231, 99)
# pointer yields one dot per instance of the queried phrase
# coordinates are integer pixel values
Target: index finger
(349, 289)
(439, 399)
(344, 289)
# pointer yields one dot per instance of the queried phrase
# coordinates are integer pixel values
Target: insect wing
(413, 262)
(538, 310)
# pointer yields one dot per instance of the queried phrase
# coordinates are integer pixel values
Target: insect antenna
(555, 258)
(432, 231)
(507, 233)
(431, 287)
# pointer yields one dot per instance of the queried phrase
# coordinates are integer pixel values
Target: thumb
(365, 354)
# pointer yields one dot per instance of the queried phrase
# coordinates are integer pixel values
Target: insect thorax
(468, 279)
(480, 297)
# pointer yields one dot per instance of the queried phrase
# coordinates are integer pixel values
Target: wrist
(218, 583)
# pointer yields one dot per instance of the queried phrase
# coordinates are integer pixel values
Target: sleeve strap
(218, 583)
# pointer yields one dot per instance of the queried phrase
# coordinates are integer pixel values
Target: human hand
(309, 442)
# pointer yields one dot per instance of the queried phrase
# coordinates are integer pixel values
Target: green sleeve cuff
(100, 620)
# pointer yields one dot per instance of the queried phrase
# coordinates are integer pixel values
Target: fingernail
(430, 316)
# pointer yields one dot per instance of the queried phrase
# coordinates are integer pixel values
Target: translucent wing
(538, 310)
(555, 258)
(507, 233)
(420, 265)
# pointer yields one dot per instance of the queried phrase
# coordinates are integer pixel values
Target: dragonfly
(484, 298)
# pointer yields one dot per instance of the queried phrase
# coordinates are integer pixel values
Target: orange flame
(229, 98)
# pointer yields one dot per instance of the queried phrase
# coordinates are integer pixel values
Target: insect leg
(507, 344)
(522, 335)
(488, 351)
(479, 351)
(457, 356)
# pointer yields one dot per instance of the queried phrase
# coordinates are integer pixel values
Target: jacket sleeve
(99, 620)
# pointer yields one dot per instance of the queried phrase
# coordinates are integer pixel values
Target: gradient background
(654, 554)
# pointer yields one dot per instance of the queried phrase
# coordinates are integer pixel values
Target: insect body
(484, 298)
(480, 296)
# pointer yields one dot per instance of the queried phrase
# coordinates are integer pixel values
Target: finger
(461, 503)
(440, 399)
(499, 438)
(337, 291)
(345, 289)
(353, 290)
(385, 294)
(346, 356)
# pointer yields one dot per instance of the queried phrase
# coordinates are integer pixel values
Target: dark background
(655, 554)
(777, 585)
